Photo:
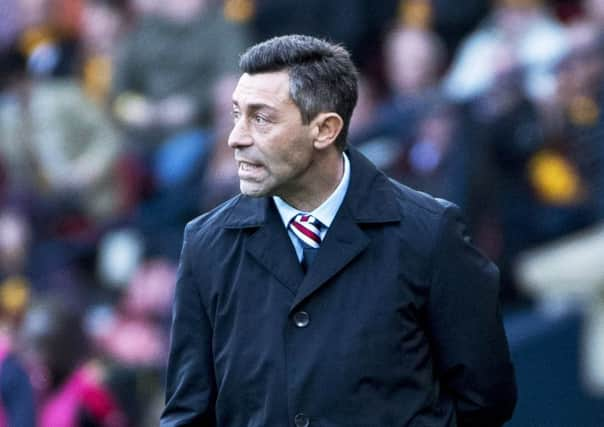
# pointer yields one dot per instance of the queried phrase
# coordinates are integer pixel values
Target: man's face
(273, 149)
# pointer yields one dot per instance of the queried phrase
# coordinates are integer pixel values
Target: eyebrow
(256, 107)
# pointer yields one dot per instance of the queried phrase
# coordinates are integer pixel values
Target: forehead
(271, 89)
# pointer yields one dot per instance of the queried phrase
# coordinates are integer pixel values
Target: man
(370, 308)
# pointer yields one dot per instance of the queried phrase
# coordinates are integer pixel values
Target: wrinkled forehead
(263, 88)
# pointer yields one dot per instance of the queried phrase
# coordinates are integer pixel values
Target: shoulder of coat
(213, 219)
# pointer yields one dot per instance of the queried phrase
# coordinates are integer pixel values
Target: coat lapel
(271, 247)
(370, 200)
(343, 242)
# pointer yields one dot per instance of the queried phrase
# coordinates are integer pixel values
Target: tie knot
(308, 229)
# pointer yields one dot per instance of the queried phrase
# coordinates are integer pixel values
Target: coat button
(301, 420)
(301, 319)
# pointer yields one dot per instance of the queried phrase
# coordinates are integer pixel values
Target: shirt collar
(327, 211)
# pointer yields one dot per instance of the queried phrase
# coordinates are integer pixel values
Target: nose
(239, 136)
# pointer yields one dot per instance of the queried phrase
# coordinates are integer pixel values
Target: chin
(253, 190)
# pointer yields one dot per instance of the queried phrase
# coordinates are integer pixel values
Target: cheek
(292, 159)
(284, 150)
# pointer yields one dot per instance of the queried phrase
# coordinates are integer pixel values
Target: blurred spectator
(58, 145)
(413, 59)
(581, 99)
(74, 391)
(167, 69)
(133, 336)
(17, 406)
(103, 24)
(168, 65)
(416, 134)
(136, 336)
(535, 37)
(568, 269)
(535, 184)
(507, 133)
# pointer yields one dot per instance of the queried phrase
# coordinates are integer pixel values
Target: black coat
(395, 324)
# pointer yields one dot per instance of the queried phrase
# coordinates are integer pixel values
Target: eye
(260, 120)
(235, 114)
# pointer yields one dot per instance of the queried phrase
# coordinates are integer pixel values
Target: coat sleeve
(471, 350)
(190, 382)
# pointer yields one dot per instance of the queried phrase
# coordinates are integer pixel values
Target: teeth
(247, 166)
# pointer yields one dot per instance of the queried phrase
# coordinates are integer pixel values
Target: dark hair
(322, 77)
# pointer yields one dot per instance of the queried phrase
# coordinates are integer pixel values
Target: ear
(327, 127)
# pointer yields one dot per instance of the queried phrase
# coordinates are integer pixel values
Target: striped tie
(308, 231)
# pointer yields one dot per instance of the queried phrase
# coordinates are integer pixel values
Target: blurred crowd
(114, 116)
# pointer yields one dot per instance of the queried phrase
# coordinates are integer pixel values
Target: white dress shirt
(324, 213)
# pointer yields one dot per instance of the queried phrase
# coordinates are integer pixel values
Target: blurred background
(114, 116)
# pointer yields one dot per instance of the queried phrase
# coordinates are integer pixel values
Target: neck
(325, 173)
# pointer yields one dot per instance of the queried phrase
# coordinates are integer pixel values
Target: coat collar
(370, 198)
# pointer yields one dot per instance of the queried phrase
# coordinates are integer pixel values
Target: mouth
(245, 165)
(248, 169)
